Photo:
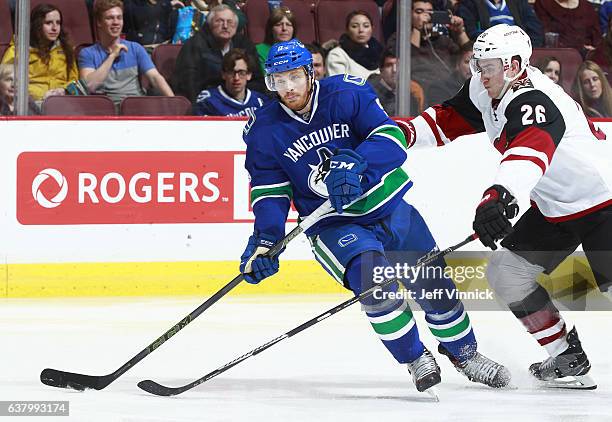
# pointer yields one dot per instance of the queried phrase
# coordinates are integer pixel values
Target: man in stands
(318, 61)
(113, 66)
(198, 65)
(232, 97)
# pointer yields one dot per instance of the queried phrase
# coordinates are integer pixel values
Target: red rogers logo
(40, 197)
(125, 187)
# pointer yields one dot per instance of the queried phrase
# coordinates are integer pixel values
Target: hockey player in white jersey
(554, 155)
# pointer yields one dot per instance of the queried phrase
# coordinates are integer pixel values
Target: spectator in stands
(235, 5)
(52, 59)
(605, 10)
(479, 15)
(385, 86)
(148, 22)
(318, 61)
(359, 52)
(602, 55)
(281, 26)
(431, 52)
(198, 65)
(551, 67)
(446, 88)
(574, 20)
(232, 98)
(593, 91)
(7, 92)
(112, 66)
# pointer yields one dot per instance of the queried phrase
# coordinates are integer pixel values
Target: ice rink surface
(335, 371)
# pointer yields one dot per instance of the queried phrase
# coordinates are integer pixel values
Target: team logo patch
(522, 83)
(318, 173)
(346, 240)
(354, 79)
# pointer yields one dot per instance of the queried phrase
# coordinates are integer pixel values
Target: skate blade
(579, 382)
(433, 393)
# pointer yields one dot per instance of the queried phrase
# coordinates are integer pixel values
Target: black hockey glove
(492, 220)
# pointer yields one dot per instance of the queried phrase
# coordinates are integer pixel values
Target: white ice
(335, 371)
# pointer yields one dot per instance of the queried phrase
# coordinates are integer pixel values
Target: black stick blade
(80, 382)
(159, 390)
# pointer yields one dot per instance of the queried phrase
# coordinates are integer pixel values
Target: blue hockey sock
(391, 318)
(454, 331)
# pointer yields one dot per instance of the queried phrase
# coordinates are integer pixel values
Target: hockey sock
(391, 317)
(454, 331)
(542, 320)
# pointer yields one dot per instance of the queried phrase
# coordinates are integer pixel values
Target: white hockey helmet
(503, 42)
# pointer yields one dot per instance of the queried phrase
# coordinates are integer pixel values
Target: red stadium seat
(76, 19)
(257, 13)
(155, 106)
(87, 105)
(331, 15)
(164, 57)
(6, 27)
(570, 62)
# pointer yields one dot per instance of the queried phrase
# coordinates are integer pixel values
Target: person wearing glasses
(198, 65)
(232, 97)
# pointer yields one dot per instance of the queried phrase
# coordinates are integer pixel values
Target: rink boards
(160, 207)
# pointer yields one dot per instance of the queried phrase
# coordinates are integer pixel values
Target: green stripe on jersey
(392, 183)
(394, 132)
(258, 192)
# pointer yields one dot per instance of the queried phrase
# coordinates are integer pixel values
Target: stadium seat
(76, 19)
(331, 15)
(570, 62)
(87, 105)
(164, 57)
(155, 106)
(257, 13)
(6, 27)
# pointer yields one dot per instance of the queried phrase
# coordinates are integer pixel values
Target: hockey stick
(161, 390)
(61, 379)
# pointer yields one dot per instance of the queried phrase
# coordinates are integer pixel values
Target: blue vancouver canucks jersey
(216, 102)
(287, 156)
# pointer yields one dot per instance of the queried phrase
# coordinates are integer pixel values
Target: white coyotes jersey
(548, 146)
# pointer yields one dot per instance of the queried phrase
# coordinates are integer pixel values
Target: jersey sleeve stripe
(433, 127)
(536, 139)
(528, 152)
(259, 192)
(391, 132)
(269, 196)
(537, 161)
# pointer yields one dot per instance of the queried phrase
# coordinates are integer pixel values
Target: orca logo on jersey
(318, 173)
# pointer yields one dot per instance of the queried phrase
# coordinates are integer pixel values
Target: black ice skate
(567, 370)
(425, 371)
(480, 368)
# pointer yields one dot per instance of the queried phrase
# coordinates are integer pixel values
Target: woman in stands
(281, 26)
(593, 91)
(551, 67)
(52, 59)
(358, 53)
(7, 92)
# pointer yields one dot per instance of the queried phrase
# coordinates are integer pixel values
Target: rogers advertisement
(135, 187)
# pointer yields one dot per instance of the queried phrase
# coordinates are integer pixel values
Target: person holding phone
(432, 52)
(112, 66)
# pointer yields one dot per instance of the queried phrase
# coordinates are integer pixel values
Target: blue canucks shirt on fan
(217, 102)
(286, 155)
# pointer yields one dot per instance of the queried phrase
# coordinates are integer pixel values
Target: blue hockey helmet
(287, 55)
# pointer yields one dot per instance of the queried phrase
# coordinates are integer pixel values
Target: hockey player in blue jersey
(332, 139)
(232, 97)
